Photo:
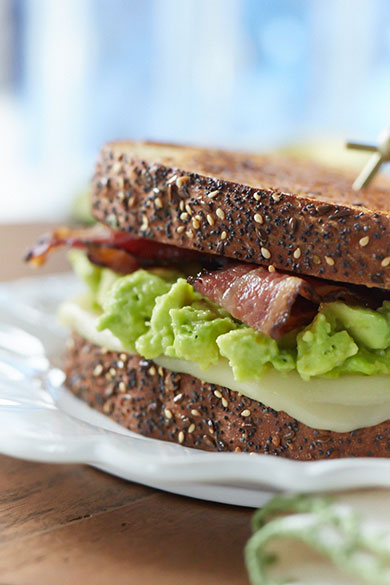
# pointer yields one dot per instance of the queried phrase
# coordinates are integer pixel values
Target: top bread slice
(276, 211)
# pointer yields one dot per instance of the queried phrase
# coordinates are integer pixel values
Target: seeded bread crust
(166, 405)
(286, 214)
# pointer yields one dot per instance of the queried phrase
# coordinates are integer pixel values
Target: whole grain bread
(280, 212)
(162, 404)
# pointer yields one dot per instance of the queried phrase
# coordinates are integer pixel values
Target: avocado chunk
(195, 334)
(248, 351)
(128, 305)
(367, 362)
(367, 327)
(320, 350)
(159, 337)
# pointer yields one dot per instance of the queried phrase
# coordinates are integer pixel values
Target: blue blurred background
(245, 74)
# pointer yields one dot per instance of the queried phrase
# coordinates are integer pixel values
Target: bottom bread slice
(170, 406)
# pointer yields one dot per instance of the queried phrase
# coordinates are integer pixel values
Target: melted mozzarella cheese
(342, 404)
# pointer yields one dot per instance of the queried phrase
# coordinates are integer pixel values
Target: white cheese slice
(342, 404)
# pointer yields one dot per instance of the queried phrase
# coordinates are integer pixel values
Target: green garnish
(329, 528)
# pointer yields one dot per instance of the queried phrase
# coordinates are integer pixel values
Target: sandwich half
(234, 302)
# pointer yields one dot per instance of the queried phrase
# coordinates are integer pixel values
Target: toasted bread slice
(171, 406)
(281, 212)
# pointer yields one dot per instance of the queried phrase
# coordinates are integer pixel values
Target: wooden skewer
(361, 146)
(381, 154)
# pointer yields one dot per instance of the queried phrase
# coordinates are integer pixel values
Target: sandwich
(234, 302)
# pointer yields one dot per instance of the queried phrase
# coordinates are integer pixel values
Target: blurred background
(244, 74)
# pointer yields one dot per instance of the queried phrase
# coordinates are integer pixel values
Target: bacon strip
(270, 302)
(117, 250)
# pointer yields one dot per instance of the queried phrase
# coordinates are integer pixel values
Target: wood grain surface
(74, 525)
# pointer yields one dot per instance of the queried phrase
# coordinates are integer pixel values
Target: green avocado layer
(156, 312)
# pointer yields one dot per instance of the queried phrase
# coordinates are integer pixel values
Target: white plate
(40, 420)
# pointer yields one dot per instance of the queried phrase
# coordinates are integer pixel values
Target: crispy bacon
(117, 250)
(270, 302)
(118, 260)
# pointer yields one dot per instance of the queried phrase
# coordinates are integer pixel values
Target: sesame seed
(198, 217)
(180, 437)
(182, 181)
(213, 194)
(132, 201)
(221, 214)
(195, 223)
(158, 203)
(160, 371)
(225, 403)
(246, 412)
(184, 216)
(364, 241)
(190, 234)
(223, 235)
(210, 219)
(112, 220)
(98, 370)
(116, 167)
(119, 364)
(171, 180)
(180, 229)
(156, 190)
(121, 195)
(256, 196)
(385, 262)
(123, 356)
(276, 197)
(316, 260)
(329, 260)
(258, 218)
(195, 412)
(107, 408)
(168, 413)
(191, 428)
(145, 223)
(112, 371)
(152, 371)
(271, 268)
(122, 387)
(188, 209)
(178, 397)
(181, 205)
(297, 253)
(266, 253)
(217, 393)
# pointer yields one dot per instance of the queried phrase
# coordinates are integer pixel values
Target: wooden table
(75, 525)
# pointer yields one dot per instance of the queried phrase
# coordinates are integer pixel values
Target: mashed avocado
(128, 306)
(320, 349)
(157, 312)
(248, 351)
